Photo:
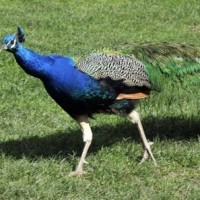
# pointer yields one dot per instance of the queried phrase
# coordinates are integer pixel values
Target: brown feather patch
(138, 95)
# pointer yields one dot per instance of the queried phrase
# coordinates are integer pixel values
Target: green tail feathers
(164, 62)
(188, 73)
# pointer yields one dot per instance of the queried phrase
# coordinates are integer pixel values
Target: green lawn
(40, 144)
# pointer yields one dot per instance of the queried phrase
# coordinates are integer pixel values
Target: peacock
(99, 83)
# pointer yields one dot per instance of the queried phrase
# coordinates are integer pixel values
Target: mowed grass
(40, 144)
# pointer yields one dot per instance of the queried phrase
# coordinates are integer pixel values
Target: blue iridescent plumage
(76, 92)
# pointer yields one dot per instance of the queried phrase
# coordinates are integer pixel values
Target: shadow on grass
(64, 144)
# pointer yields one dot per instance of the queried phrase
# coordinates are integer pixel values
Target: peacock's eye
(12, 42)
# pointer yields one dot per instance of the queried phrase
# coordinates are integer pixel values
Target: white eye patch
(12, 42)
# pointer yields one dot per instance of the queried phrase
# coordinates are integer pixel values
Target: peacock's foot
(77, 173)
(144, 157)
(146, 154)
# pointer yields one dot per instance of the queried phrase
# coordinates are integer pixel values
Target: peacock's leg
(135, 118)
(87, 138)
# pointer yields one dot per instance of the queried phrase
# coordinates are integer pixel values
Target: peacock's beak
(4, 47)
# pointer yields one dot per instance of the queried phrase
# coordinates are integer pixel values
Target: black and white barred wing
(116, 67)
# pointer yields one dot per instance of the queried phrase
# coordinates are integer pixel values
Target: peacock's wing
(129, 71)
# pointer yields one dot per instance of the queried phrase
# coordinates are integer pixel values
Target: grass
(40, 144)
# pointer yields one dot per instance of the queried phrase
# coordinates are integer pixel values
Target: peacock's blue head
(10, 42)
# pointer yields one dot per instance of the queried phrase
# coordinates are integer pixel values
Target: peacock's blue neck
(58, 73)
(30, 61)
